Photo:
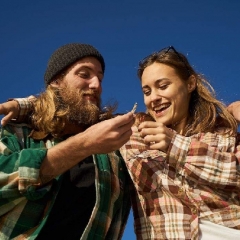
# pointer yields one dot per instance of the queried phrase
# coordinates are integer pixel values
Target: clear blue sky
(125, 31)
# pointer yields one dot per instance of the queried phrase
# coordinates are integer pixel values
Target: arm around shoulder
(209, 159)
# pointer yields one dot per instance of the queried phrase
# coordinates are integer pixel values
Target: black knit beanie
(68, 54)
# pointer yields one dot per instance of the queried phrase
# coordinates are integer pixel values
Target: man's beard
(80, 110)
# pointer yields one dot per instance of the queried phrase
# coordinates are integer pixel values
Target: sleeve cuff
(24, 108)
(30, 163)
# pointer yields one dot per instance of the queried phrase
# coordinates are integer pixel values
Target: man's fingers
(6, 119)
(122, 120)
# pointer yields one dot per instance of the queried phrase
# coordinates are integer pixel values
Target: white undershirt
(212, 231)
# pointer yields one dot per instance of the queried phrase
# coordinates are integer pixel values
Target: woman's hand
(156, 134)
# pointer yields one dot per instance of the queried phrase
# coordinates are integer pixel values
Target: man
(62, 178)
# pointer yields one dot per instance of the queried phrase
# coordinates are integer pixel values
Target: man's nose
(95, 83)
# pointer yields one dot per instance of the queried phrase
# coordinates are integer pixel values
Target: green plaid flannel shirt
(25, 206)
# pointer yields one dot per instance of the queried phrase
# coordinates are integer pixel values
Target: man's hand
(234, 109)
(10, 109)
(109, 135)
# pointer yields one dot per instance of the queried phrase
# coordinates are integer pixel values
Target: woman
(182, 163)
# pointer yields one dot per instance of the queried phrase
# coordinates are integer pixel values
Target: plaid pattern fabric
(24, 107)
(24, 207)
(198, 178)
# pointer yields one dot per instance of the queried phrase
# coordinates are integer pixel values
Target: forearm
(208, 160)
(64, 156)
(103, 137)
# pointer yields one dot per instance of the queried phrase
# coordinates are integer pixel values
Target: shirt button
(180, 191)
(194, 211)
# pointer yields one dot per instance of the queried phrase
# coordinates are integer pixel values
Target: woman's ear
(192, 83)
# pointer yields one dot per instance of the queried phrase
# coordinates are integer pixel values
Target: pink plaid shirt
(198, 178)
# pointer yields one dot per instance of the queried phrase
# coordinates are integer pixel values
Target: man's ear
(192, 83)
(55, 83)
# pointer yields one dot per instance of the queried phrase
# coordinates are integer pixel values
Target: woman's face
(166, 95)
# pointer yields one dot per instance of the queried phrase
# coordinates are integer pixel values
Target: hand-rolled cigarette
(134, 108)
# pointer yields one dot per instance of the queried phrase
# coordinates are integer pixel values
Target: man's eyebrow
(88, 68)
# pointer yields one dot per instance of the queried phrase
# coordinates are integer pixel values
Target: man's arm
(103, 137)
(234, 109)
(46, 164)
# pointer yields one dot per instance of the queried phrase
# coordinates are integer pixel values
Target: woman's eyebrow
(156, 82)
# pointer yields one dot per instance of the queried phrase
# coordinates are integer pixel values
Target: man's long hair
(50, 114)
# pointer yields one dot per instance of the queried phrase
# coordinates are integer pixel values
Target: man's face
(86, 74)
(80, 90)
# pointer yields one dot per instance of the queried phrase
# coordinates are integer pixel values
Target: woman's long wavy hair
(49, 115)
(206, 113)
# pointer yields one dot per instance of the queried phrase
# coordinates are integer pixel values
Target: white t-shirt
(212, 231)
